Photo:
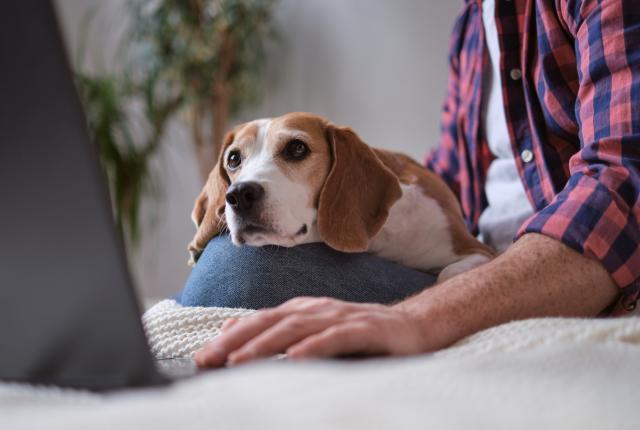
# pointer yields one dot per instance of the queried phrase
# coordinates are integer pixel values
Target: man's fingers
(280, 336)
(312, 304)
(215, 353)
(228, 323)
(348, 338)
(318, 327)
(321, 304)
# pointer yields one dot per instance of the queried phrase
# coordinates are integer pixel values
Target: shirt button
(526, 155)
(515, 74)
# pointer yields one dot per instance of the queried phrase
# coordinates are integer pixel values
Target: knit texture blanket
(532, 374)
(177, 331)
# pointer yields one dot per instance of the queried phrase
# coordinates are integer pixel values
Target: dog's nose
(242, 196)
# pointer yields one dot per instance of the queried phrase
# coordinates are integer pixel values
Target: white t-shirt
(508, 203)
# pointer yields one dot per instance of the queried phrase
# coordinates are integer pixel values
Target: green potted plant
(197, 60)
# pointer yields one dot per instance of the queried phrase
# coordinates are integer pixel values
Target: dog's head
(295, 179)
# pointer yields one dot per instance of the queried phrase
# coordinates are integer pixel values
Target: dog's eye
(296, 149)
(233, 159)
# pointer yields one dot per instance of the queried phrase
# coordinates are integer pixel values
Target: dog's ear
(356, 197)
(208, 211)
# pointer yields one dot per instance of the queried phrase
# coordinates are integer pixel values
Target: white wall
(378, 66)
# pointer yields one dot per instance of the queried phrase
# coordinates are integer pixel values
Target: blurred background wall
(378, 66)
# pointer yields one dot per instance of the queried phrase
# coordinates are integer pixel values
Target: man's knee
(257, 277)
(247, 276)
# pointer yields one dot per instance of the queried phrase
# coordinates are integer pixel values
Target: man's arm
(597, 213)
(535, 277)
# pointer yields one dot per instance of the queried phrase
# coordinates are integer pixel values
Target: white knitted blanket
(532, 374)
(177, 331)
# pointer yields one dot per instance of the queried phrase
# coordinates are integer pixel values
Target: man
(542, 125)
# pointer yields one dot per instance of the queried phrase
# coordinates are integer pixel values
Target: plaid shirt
(571, 87)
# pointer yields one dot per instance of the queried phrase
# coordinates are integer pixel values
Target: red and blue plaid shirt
(571, 87)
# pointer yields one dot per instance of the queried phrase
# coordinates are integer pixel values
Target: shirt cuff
(596, 222)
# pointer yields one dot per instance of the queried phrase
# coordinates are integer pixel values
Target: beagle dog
(299, 179)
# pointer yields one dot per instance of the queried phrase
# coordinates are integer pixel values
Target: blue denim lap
(257, 277)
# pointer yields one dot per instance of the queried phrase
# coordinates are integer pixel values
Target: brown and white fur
(342, 192)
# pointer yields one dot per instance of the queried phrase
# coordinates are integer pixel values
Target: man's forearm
(537, 276)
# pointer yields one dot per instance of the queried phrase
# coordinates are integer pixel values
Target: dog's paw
(467, 263)
(193, 257)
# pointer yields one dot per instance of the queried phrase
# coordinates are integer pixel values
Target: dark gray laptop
(68, 312)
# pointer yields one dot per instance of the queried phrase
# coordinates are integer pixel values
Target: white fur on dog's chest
(416, 233)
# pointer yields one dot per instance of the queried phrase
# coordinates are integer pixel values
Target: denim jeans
(257, 277)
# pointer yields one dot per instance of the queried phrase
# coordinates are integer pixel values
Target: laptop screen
(68, 314)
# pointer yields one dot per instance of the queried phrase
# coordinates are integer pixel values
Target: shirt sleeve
(598, 212)
(443, 159)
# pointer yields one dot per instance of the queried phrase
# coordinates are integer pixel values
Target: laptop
(68, 312)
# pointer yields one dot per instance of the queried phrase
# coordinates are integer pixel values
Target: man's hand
(537, 276)
(315, 327)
